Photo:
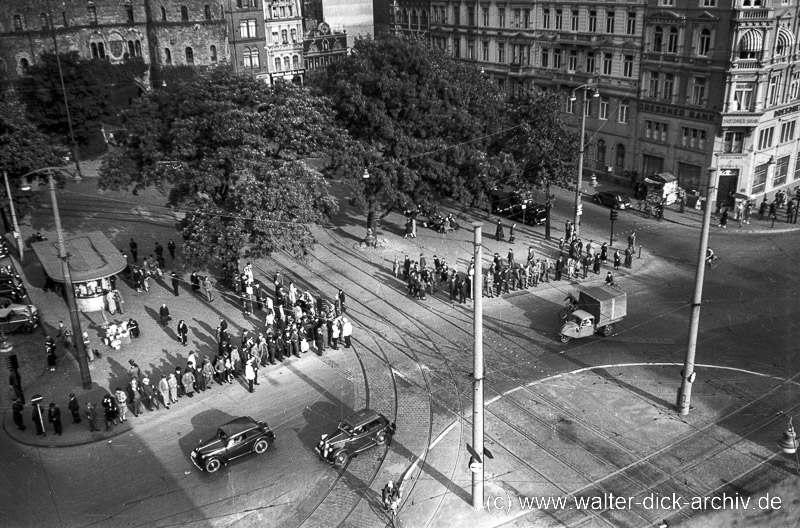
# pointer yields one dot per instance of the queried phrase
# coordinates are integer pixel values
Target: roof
(238, 425)
(359, 417)
(90, 256)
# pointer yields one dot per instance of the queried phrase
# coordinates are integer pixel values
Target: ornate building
(323, 46)
(163, 33)
(284, 28)
(247, 37)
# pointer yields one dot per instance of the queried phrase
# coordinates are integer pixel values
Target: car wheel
(212, 465)
(608, 330)
(382, 438)
(260, 446)
(565, 338)
(341, 458)
(27, 328)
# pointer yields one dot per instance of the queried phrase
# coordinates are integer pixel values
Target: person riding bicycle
(391, 497)
(710, 256)
(571, 302)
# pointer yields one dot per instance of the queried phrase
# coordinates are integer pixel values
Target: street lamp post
(688, 374)
(17, 233)
(578, 208)
(477, 369)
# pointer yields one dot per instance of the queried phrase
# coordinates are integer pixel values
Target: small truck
(598, 309)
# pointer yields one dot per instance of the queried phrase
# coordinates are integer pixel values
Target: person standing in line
(335, 333)
(16, 410)
(164, 390)
(172, 383)
(208, 288)
(604, 253)
(194, 280)
(499, 234)
(134, 371)
(147, 394)
(559, 267)
(342, 298)
(54, 417)
(617, 259)
(135, 396)
(207, 371)
(347, 331)
(50, 350)
(171, 249)
(249, 374)
(134, 249)
(175, 284)
(91, 417)
(163, 314)
(183, 332)
(109, 411)
(319, 339)
(122, 404)
(188, 383)
(74, 408)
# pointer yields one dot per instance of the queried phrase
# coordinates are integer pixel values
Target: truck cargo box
(606, 303)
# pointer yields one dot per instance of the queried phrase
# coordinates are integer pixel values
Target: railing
(753, 14)
(753, 64)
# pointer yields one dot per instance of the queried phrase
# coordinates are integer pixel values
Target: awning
(752, 42)
(661, 178)
(90, 256)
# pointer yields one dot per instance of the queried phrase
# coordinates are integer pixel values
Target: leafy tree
(216, 145)
(88, 84)
(423, 122)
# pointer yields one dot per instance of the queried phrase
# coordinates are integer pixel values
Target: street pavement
(587, 420)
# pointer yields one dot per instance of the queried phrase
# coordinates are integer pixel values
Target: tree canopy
(226, 147)
(431, 127)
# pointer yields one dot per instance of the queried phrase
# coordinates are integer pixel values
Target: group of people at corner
(743, 210)
(507, 274)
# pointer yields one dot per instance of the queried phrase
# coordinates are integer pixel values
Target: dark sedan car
(613, 200)
(236, 438)
(359, 431)
(23, 318)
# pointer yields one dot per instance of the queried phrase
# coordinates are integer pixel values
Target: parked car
(359, 431)
(529, 214)
(517, 206)
(7, 306)
(239, 437)
(12, 288)
(613, 200)
(25, 319)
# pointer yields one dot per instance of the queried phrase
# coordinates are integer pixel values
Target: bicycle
(568, 308)
(392, 507)
(711, 262)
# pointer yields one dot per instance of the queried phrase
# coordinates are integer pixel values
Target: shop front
(92, 260)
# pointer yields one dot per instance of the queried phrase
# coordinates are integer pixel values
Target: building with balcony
(284, 28)
(163, 33)
(322, 45)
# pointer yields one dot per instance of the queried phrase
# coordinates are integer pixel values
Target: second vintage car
(239, 437)
(18, 317)
(357, 432)
(613, 200)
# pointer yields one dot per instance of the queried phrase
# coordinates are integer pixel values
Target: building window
(138, 48)
(247, 28)
(92, 14)
(485, 16)
(772, 94)
(24, 65)
(743, 97)
(213, 50)
(189, 55)
(672, 42)
(163, 15)
(787, 131)
(709, 3)
(623, 112)
(570, 105)
(456, 16)
(601, 152)
(698, 91)
(668, 3)
(704, 43)
(471, 16)
(630, 23)
(608, 63)
(457, 47)
(797, 168)
(558, 59)
(184, 14)
(17, 23)
(575, 18)
(654, 85)
(733, 142)
(545, 58)
(129, 13)
(546, 19)
(501, 52)
(284, 36)
(610, 21)
(604, 104)
(620, 160)
(592, 21)
(250, 58)
(559, 19)
(167, 56)
(656, 130)
(485, 51)
(590, 66)
(207, 11)
(669, 86)
(760, 178)
(95, 53)
(781, 171)
(527, 19)
(573, 60)
(501, 13)
(658, 39)
(277, 64)
(694, 138)
(471, 49)
(293, 32)
(765, 136)
(286, 64)
(44, 21)
(627, 66)
(794, 86)
(296, 62)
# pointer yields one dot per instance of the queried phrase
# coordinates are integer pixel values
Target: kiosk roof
(90, 256)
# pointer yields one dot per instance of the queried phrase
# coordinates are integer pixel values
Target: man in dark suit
(175, 283)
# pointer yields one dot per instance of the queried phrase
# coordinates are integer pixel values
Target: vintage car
(239, 437)
(613, 200)
(24, 318)
(7, 306)
(359, 431)
(12, 287)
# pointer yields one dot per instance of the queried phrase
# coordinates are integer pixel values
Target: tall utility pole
(69, 291)
(477, 366)
(73, 143)
(17, 233)
(581, 152)
(688, 374)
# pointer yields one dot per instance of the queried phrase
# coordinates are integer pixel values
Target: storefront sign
(788, 110)
(749, 121)
(677, 112)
